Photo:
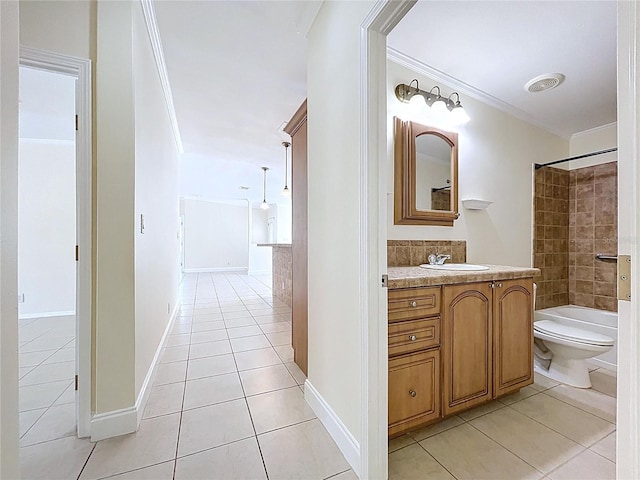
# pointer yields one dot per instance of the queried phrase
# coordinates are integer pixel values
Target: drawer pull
(412, 393)
(414, 304)
(413, 338)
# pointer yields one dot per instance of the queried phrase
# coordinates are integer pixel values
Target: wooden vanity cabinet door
(512, 335)
(414, 390)
(467, 345)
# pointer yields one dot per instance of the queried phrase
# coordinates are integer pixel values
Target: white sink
(460, 267)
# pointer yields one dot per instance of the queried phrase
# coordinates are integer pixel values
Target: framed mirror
(425, 175)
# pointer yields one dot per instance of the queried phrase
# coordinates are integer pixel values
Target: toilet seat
(572, 334)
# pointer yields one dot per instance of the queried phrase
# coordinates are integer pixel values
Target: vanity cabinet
(512, 336)
(414, 358)
(488, 341)
(467, 346)
(453, 347)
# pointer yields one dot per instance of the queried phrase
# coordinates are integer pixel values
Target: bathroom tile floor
(546, 430)
(227, 401)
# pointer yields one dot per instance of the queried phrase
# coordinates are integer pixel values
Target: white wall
(9, 44)
(216, 235)
(47, 227)
(157, 161)
(495, 162)
(596, 139)
(284, 223)
(59, 26)
(334, 244)
(259, 232)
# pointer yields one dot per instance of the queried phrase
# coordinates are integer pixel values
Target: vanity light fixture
(442, 109)
(285, 191)
(264, 205)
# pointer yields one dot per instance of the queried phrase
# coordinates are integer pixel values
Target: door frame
(628, 418)
(80, 69)
(381, 19)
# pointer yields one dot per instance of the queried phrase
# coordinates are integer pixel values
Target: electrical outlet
(168, 308)
(21, 298)
(283, 285)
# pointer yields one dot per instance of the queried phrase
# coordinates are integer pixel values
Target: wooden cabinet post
(297, 129)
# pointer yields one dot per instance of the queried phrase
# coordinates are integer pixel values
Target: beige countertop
(285, 245)
(404, 277)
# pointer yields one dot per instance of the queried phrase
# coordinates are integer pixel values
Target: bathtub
(598, 321)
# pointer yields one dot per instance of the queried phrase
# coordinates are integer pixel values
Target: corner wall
(157, 169)
(495, 162)
(333, 73)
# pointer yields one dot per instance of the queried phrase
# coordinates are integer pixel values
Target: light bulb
(458, 115)
(286, 192)
(417, 103)
(439, 108)
(264, 205)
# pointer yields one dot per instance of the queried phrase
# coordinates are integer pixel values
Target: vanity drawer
(410, 303)
(414, 390)
(405, 337)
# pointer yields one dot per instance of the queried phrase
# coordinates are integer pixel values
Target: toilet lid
(555, 329)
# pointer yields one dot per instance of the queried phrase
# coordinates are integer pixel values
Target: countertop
(285, 245)
(404, 277)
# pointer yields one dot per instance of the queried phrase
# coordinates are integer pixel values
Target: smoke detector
(544, 82)
(242, 187)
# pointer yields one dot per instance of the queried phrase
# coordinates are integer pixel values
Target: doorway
(54, 245)
(373, 160)
(46, 256)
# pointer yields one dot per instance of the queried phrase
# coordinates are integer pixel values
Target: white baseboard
(127, 420)
(112, 424)
(346, 442)
(145, 390)
(46, 314)
(259, 272)
(215, 270)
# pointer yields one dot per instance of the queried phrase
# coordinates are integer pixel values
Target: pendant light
(264, 205)
(285, 191)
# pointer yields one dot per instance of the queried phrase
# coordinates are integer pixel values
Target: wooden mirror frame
(405, 211)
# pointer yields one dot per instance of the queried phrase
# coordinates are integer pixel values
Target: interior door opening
(47, 254)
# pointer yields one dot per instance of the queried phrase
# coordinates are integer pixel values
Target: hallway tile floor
(227, 401)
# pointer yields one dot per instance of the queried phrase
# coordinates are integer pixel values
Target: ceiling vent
(544, 82)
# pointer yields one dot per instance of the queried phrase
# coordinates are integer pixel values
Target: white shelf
(475, 204)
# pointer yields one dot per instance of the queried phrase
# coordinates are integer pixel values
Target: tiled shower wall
(551, 236)
(575, 218)
(593, 228)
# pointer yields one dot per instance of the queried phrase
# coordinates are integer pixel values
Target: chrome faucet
(438, 259)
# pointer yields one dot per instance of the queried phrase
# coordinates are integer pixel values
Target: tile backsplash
(404, 253)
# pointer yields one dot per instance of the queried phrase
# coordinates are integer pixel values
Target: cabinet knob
(499, 285)
(412, 393)
(414, 303)
(413, 338)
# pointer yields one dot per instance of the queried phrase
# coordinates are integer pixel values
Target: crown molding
(158, 53)
(466, 89)
(595, 129)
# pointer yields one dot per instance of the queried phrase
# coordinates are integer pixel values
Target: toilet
(570, 347)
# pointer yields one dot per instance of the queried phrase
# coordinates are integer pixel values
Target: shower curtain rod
(600, 152)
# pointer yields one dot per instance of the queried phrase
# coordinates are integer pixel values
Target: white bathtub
(598, 321)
